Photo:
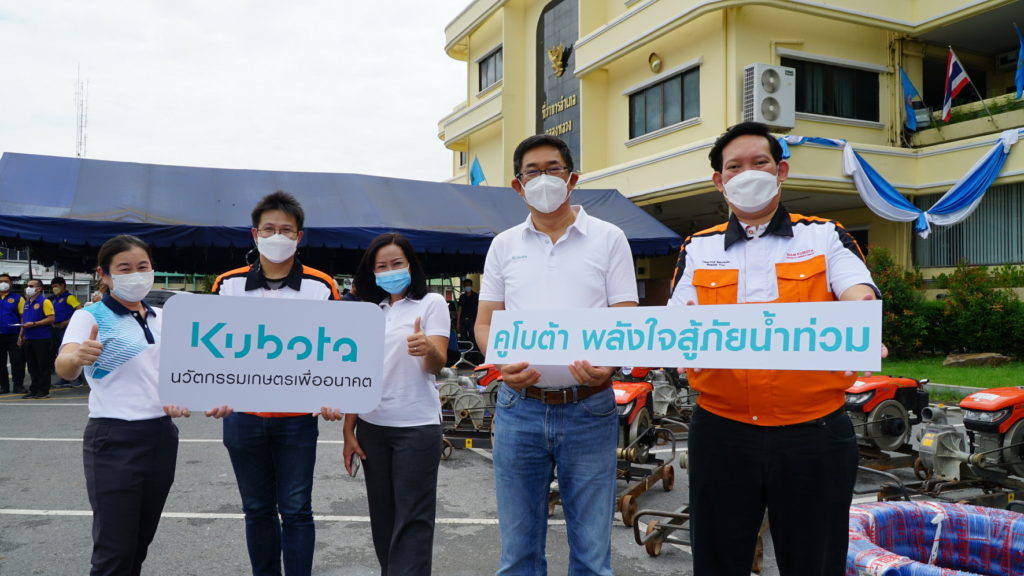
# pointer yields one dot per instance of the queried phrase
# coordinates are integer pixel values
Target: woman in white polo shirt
(130, 445)
(400, 441)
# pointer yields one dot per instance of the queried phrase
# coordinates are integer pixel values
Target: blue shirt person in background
(11, 305)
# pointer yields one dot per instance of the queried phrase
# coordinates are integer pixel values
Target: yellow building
(641, 88)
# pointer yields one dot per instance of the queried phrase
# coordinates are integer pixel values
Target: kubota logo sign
(221, 343)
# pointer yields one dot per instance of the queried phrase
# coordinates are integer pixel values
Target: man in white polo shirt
(551, 417)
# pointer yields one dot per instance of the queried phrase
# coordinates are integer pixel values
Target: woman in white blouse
(130, 446)
(399, 442)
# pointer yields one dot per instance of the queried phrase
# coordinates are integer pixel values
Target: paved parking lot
(45, 518)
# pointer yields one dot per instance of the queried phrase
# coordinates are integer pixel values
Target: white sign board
(792, 336)
(271, 354)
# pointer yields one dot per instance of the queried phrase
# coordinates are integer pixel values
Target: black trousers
(9, 349)
(803, 475)
(401, 489)
(129, 469)
(37, 356)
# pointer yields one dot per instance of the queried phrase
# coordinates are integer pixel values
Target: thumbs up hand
(89, 350)
(417, 341)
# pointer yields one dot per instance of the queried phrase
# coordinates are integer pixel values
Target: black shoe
(29, 396)
(20, 391)
(41, 396)
(5, 391)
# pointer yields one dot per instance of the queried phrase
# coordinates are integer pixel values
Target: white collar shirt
(590, 266)
(409, 396)
(123, 380)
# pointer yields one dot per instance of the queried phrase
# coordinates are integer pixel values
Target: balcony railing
(969, 120)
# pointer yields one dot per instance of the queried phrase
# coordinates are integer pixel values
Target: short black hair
(743, 129)
(58, 281)
(31, 280)
(282, 201)
(467, 281)
(118, 244)
(537, 141)
(364, 282)
(5, 275)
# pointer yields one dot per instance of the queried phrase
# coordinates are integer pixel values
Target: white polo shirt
(409, 397)
(123, 380)
(590, 266)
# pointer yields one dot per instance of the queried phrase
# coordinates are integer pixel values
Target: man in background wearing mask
(64, 305)
(36, 320)
(768, 439)
(11, 305)
(469, 303)
(554, 416)
(273, 453)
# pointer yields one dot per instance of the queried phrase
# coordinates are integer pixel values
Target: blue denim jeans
(273, 460)
(531, 440)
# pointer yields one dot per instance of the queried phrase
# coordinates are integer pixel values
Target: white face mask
(277, 248)
(752, 190)
(132, 287)
(4, 286)
(546, 193)
(30, 291)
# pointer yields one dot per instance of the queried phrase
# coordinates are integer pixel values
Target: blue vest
(34, 313)
(61, 309)
(9, 314)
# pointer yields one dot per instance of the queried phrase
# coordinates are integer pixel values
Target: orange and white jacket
(792, 258)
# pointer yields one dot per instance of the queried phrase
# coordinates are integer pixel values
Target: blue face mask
(394, 281)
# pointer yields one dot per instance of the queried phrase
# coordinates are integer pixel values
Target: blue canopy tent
(197, 219)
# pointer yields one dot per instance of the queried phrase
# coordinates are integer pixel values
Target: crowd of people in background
(32, 326)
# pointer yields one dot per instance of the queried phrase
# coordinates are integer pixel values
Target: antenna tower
(81, 113)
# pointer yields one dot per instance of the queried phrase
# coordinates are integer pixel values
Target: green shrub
(903, 325)
(982, 314)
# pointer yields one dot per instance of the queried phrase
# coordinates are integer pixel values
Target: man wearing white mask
(273, 453)
(775, 440)
(11, 305)
(550, 417)
(36, 322)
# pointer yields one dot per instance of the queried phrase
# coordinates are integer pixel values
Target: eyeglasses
(267, 231)
(559, 171)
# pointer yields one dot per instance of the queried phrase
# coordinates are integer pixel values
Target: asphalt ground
(45, 519)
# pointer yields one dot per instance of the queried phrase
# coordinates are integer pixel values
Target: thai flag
(956, 80)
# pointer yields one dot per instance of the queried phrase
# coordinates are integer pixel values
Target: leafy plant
(903, 325)
(980, 311)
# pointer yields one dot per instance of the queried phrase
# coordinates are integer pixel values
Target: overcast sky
(320, 85)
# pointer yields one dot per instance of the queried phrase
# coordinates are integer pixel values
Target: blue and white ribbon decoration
(885, 201)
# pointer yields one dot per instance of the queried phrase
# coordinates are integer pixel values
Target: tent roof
(197, 219)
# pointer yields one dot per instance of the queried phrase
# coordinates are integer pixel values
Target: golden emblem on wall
(558, 56)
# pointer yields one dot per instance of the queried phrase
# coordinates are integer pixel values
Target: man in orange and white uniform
(768, 439)
(273, 453)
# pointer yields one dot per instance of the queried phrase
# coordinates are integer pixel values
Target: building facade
(641, 88)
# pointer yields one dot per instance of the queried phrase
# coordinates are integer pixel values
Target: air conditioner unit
(769, 95)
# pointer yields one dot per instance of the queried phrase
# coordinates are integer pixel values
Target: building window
(990, 236)
(490, 69)
(462, 159)
(831, 90)
(666, 103)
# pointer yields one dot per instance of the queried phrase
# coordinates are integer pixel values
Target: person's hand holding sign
(519, 375)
